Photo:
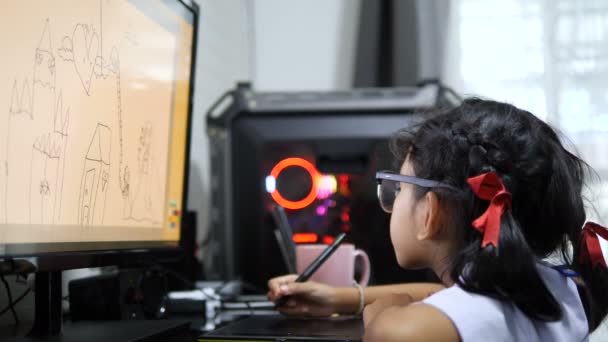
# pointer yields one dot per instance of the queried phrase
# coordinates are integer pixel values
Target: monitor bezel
(48, 257)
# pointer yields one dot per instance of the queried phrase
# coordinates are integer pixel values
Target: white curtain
(547, 56)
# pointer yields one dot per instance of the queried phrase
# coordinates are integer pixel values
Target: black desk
(116, 331)
(279, 328)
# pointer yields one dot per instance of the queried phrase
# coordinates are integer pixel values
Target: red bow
(591, 252)
(489, 187)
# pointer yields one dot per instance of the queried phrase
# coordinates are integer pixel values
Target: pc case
(343, 134)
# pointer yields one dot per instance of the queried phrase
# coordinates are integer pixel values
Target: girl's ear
(431, 217)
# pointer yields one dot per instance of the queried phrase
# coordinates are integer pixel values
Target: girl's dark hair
(547, 211)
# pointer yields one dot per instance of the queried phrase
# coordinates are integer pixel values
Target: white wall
(304, 45)
(223, 58)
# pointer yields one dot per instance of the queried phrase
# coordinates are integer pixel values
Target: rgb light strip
(314, 175)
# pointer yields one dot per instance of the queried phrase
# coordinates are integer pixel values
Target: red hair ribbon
(591, 252)
(489, 187)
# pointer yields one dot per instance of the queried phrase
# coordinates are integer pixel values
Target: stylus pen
(284, 238)
(312, 268)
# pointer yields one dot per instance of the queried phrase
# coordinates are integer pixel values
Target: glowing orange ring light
(314, 175)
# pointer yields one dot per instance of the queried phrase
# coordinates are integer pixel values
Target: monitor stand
(47, 304)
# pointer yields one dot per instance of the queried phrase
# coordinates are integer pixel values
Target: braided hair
(547, 210)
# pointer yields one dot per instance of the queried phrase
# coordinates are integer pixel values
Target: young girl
(485, 192)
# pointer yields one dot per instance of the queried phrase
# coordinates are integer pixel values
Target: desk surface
(280, 328)
(117, 331)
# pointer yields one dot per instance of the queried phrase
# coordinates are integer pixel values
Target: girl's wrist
(346, 300)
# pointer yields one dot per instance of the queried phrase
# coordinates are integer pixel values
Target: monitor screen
(95, 104)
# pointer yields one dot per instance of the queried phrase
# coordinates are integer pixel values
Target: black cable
(452, 92)
(221, 286)
(443, 89)
(10, 299)
(21, 281)
(251, 312)
(17, 300)
(189, 283)
(158, 267)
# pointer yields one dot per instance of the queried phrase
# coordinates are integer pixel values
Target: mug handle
(366, 266)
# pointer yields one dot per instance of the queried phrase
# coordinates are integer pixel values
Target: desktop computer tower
(314, 153)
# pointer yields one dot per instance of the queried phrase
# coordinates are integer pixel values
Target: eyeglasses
(389, 187)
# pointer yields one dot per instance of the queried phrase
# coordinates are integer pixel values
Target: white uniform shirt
(481, 318)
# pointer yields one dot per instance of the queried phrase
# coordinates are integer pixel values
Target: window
(546, 56)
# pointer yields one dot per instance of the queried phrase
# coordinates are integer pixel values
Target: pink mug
(339, 269)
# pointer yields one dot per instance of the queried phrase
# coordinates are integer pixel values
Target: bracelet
(361, 298)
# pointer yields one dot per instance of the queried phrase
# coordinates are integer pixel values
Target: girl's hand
(305, 299)
(393, 300)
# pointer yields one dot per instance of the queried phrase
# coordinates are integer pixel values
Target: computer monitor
(95, 105)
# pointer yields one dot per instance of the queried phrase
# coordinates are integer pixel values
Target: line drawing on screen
(46, 148)
(47, 169)
(141, 202)
(95, 177)
(86, 120)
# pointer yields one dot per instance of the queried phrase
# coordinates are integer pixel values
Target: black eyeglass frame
(396, 177)
(425, 183)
